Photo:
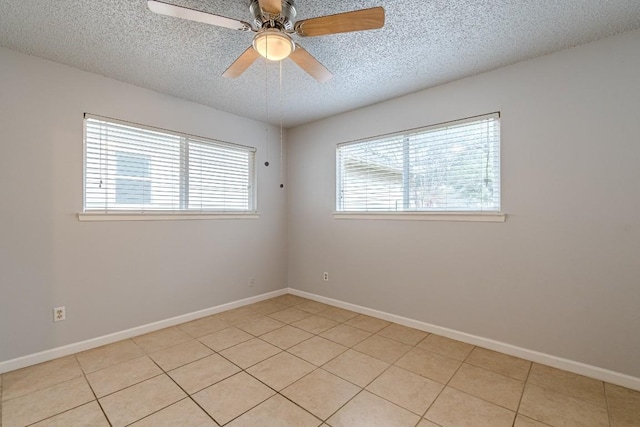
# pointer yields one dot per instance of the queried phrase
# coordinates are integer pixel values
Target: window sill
(426, 216)
(161, 216)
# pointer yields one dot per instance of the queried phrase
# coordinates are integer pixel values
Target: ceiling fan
(274, 27)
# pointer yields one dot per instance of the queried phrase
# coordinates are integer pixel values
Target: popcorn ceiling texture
(424, 43)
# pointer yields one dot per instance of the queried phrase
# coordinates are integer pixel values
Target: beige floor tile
(367, 323)
(346, 335)
(430, 365)
(184, 413)
(117, 377)
(203, 373)
(289, 299)
(260, 326)
(499, 362)
(290, 315)
(321, 393)
(37, 377)
(138, 401)
(163, 338)
(317, 350)
(403, 334)
(225, 338)
(624, 406)
(232, 397)
(368, 410)
(281, 370)
(315, 324)
(267, 307)
(108, 355)
(568, 383)
(447, 347)
(181, 354)
(455, 408)
(205, 326)
(488, 385)
(89, 415)
(45, 403)
(338, 314)
(238, 315)
(276, 412)
(426, 423)
(522, 421)
(356, 367)
(382, 348)
(313, 307)
(558, 409)
(406, 389)
(250, 352)
(286, 337)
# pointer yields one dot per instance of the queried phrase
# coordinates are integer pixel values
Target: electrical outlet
(59, 313)
(252, 282)
(325, 277)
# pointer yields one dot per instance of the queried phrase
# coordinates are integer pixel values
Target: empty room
(319, 213)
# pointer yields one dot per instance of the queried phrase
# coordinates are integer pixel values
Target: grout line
(130, 385)
(606, 403)
(573, 397)
(279, 392)
(75, 407)
(345, 404)
(93, 392)
(306, 410)
(188, 396)
(485, 400)
(524, 388)
(155, 412)
(445, 385)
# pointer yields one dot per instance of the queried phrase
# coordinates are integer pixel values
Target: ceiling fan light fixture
(273, 44)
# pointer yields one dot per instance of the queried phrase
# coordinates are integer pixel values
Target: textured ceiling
(423, 43)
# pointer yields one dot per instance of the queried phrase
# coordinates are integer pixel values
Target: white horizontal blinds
(226, 187)
(371, 175)
(140, 169)
(451, 167)
(128, 168)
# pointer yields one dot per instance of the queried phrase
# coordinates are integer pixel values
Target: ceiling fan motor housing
(283, 21)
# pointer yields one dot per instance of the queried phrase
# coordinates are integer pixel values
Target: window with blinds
(138, 169)
(453, 167)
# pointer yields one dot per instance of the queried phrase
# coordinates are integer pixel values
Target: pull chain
(266, 107)
(281, 134)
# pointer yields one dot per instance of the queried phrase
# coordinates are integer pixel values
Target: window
(453, 167)
(134, 168)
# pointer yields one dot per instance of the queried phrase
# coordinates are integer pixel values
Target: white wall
(113, 276)
(562, 274)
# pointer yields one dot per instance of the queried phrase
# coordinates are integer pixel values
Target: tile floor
(289, 361)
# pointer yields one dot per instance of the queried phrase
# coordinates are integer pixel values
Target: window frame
(167, 214)
(419, 215)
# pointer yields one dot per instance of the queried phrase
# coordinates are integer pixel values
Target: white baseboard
(534, 356)
(54, 353)
(523, 353)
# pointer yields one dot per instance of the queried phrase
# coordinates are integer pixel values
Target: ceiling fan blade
(167, 9)
(273, 7)
(311, 65)
(358, 20)
(243, 62)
